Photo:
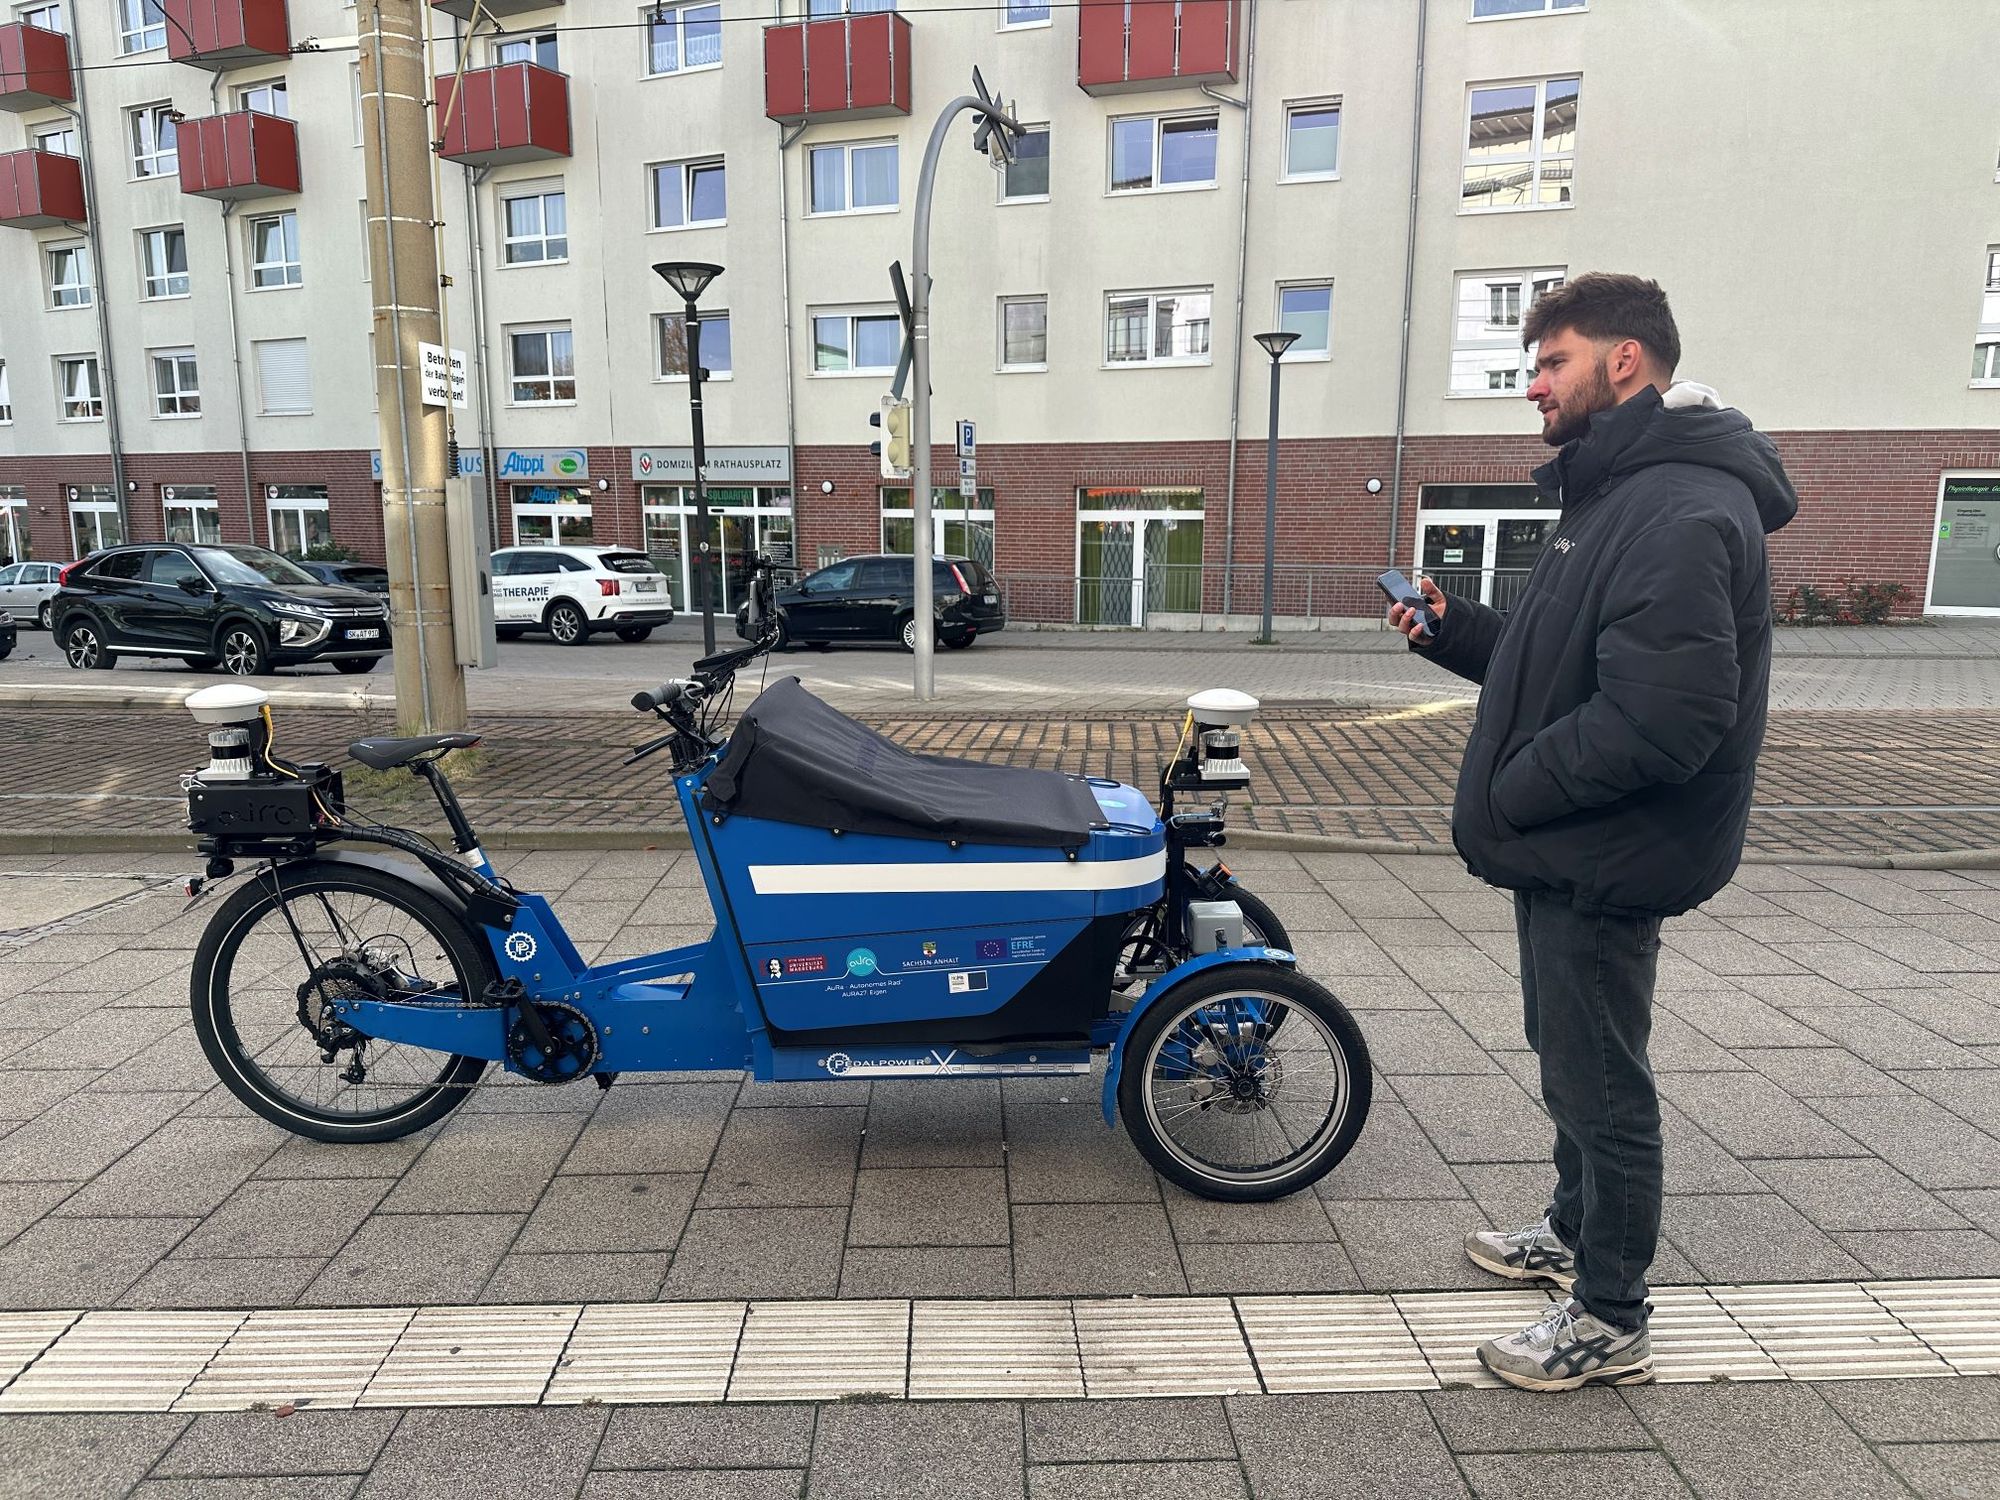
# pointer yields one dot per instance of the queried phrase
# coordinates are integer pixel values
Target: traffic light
(893, 448)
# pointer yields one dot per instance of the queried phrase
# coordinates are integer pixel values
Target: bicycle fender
(1161, 987)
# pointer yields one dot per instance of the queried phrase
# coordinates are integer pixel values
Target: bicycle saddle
(384, 754)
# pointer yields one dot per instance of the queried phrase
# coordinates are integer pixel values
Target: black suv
(244, 609)
(872, 598)
(370, 578)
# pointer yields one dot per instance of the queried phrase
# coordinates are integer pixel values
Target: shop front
(548, 493)
(1965, 550)
(749, 512)
(959, 527)
(1138, 553)
(1480, 541)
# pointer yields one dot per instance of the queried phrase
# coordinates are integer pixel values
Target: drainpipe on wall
(786, 139)
(1409, 281)
(107, 382)
(1236, 344)
(481, 371)
(235, 343)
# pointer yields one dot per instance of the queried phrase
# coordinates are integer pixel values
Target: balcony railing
(40, 188)
(219, 34)
(853, 67)
(1128, 45)
(518, 111)
(34, 68)
(243, 154)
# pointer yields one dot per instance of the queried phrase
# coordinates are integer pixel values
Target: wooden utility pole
(402, 248)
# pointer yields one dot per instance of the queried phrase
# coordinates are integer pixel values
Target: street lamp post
(1275, 345)
(690, 278)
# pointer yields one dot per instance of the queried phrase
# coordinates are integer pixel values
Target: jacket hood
(1689, 424)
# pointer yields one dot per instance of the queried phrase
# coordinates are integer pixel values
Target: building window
(1025, 13)
(682, 39)
(1155, 153)
(818, 10)
(689, 194)
(1306, 308)
(541, 366)
(1486, 353)
(537, 228)
(1986, 348)
(163, 262)
(94, 523)
(367, 246)
(1026, 179)
(853, 343)
(1520, 145)
(1157, 328)
(274, 251)
(300, 520)
(176, 384)
(284, 377)
(154, 153)
(76, 384)
(1493, 10)
(1024, 333)
(141, 26)
(538, 48)
(854, 178)
(58, 139)
(69, 276)
(49, 17)
(715, 356)
(1312, 141)
(191, 514)
(6, 396)
(268, 97)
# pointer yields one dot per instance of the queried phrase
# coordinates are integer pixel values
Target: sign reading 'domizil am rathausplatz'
(724, 465)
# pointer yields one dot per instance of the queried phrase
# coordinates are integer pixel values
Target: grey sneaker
(1536, 1253)
(1569, 1348)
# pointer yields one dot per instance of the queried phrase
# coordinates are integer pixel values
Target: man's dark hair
(1607, 305)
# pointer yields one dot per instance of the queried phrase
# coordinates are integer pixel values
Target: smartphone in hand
(1399, 590)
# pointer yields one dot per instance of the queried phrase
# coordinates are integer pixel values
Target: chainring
(572, 1048)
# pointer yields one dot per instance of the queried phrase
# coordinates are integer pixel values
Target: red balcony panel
(463, 8)
(34, 68)
(40, 188)
(243, 154)
(515, 112)
(1128, 45)
(847, 67)
(222, 34)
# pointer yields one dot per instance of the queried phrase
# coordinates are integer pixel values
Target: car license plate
(646, 586)
(992, 598)
(364, 635)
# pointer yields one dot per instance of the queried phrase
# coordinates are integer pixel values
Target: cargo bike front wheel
(1244, 1083)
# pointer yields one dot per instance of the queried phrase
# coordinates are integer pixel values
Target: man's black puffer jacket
(1624, 695)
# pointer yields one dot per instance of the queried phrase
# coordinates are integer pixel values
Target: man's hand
(1410, 621)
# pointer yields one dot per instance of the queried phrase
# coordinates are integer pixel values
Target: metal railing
(1190, 595)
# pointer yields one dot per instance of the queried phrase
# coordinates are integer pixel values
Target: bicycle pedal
(503, 992)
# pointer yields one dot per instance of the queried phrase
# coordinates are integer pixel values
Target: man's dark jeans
(1587, 993)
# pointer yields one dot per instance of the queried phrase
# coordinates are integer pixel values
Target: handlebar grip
(660, 697)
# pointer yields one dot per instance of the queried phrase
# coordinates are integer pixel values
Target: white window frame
(273, 91)
(833, 10)
(1160, 122)
(291, 271)
(6, 398)
(150, 159)
(171, 404)
(201, 504)
(1032, 23)
(1498, 336)
(367, 246)
(541, 192)
(1305, 106)
(847, 150)
(1989, 326)
(166, 276)
(83, 293)
(1042, 197)
(686, 167)
(1536, 158)
(94, 386)
(1153, 296)
(264, 407)
(58, 140)
(1020, 367)
(676, 17)
(547, 332)
(354, 88)
(1296, 355)
(1543, 8)
(533, 41)
(296, 501)
(151, 32)
(663, 376)
(852, 313)
(26, 16)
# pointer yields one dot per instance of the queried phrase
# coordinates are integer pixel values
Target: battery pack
(1213, 925)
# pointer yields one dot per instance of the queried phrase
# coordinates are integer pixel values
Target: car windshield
(250, 565)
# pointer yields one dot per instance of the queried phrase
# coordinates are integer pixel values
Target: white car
(25, 591)
(573, 592)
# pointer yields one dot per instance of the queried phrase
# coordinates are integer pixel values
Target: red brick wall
(1867, 499)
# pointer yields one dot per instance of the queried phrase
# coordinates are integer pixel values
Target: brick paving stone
(1143, 1481)
(919, 1451)
(1094, 1249)
(1856, 1194)
(1362, 1446)
(81, 1457)
(1750, 1116)
(758, 1252)
(893, 1271)
(1752, 1237)
(1520, 1476)
(1758, 1439)
(257, 1442)
(525, 1453)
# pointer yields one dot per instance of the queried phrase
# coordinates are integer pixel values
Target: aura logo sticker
(861, 961)
(520, 947)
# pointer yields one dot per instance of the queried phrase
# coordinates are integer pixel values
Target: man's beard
(1572, 416)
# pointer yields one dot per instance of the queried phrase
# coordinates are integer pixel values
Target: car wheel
(201, 663)
(782, 640)
(634, 632)
(244, 653)
(85, 647)
(354, 666)
(44, 617)
(907, 633)
(960, 642)
(567, 624)
(6, 649)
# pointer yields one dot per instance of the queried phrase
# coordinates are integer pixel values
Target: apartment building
(185, 293)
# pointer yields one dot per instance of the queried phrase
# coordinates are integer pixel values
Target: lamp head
(1275, 344)
(690, 278)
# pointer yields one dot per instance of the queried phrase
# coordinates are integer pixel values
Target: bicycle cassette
(563, 1046)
